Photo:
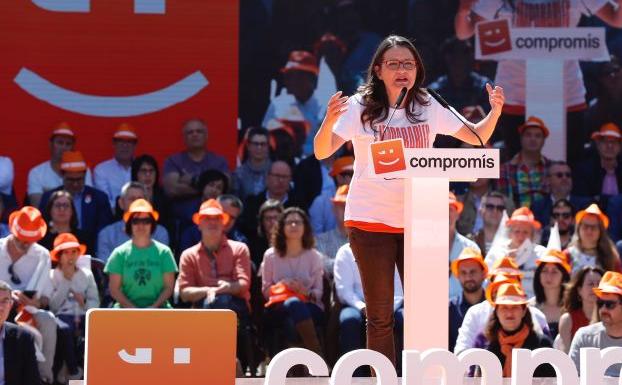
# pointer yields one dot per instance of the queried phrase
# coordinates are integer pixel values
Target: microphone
(398, 102)
(461, 118)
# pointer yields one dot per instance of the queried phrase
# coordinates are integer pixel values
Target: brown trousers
(376, 255)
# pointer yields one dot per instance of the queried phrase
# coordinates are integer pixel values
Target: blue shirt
(2, 335)
(114, 235)
(4, 230)
(458, 307)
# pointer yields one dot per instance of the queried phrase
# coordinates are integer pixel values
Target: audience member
(601, 176)
(91, 205)
(321, 211)
(491, 208)
(114, 235)
(457, 243)
(112, 174)
(26, 265)
(259, 241)
(562, 215)
(607, 332)
(552, 274)
(558, 184)
(7, 174)
(212, 184)
(604, 107)
(352, 316)
(291, 274)
(591, 245)
(579, 304)
(250, 177)
(142, 270)
(73, 293)
(145, 171)
(510, 326)
(49, 174)
(61, 217)
(182, 170)
(300, 80)
(277, 187)
(520, 246)
(215, 273)
(471, 271)
(328, 243)
(4, 229)
(19, 362)
(522, 177)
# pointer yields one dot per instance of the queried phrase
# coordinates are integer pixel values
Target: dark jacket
(543, 208)
(96, 211)
(533, 341)
(588, 179)
(249, 221)
(20, 362)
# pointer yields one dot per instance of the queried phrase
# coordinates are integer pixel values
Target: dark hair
(564, 203)
(128, 225)
(47, 213)
(212, 175)
(270, 204)
(539, 289)
(234, 200)
(572, 300)
(375, 100)
(451, 43)
(150, 160)
(254, 131)
(279, 242)
(491, 332)
(552, 164)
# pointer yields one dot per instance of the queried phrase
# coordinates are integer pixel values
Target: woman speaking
(375, 207)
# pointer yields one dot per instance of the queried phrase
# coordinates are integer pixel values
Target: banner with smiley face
(98, 63)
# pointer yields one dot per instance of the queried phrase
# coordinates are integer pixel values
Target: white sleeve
(101, 183)
(6, 175)
(590, 7)
(487, 8)
(444, 122)
(468, 331)
(34, 181)
(346, 125)
(344, 280)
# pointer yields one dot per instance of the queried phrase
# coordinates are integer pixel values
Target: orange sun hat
(65, 241)
(607, 130)
(140, 206)
(125, 131)
(557, 257)
(468, 254)
(510, 293)
(593, 209)
(27, 224)
(499, 280)
(210, 208)
(533, 122)
(72, 161)
(610, 283)
(523, 215)
(453, 201)
(62, 129)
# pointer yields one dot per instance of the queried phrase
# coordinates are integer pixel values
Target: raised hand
(335, 108)
(496, 98)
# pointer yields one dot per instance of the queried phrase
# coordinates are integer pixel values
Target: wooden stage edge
(372, 381)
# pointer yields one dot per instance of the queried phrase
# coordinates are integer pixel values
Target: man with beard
(471, 270)
(607, 332)
(563, 214)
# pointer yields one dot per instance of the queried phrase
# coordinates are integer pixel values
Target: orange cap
(140, 206)
(608, 130)
(506, 266)
(301, 61)
(533, 122)
(64, 241)
(125, 132)
(523, 215)
(72, 161)
(345, 163)
(210, 208)
(491, 290)
(610, 283)
(62, 129)
(468, 254)
(453, 201)
(27, 224)
(593, 209)
(555, 256)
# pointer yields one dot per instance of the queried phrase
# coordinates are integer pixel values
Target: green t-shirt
(142, 270)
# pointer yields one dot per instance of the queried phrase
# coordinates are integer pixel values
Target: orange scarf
(509, 342)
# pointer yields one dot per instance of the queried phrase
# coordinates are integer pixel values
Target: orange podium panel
(181, 347)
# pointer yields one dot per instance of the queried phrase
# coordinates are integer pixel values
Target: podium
(427, 173)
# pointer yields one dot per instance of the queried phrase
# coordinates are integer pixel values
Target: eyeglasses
(561, 215)
(62, 206)
(14, 278)
(562, 174)
(281, 176)
(394, 65)
(258, 144)
(490, 206)
(610, 305)
(271, 218)
(141, 221)
(293, 222)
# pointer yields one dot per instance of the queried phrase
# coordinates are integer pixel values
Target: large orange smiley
(388, 156)
(494, 36)
(98, 63)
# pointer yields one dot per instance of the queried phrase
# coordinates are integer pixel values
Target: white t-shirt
(538, 13)
(32, 268)
(381, 201)
(42, 178)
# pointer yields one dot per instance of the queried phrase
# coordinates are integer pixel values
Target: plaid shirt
(523, 184)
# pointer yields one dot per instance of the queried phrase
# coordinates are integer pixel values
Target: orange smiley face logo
(160, 347)
(494, 36)
(388, 156)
